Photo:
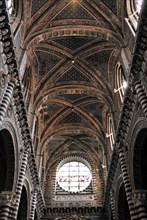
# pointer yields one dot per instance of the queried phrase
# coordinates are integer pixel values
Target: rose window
(74, 176)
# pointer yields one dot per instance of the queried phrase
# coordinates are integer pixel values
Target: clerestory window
(133, 10)
(120, 82)
(10, 5)
(138, 4)
(110, 131)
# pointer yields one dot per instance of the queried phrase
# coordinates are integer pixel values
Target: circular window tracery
(74, 176)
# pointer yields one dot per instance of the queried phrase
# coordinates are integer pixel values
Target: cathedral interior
(73, 110)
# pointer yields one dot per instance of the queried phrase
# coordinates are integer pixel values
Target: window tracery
(120, 82)
(110, 131)
(133, 10)
(74, 176)
(10, 6)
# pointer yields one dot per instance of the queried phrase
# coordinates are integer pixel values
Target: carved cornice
(65, 31)
(67, 212)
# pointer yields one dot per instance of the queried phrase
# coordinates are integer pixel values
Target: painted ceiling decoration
(46, 62)
(73, 74)
(36, 5)
(77, 127)
(74, 147)
(73, 47)
(73, 42)
(74, 11)
(99, 60)
(71, 118)
(50, 110)
(112, 5)
(96, 109)
(74, 97)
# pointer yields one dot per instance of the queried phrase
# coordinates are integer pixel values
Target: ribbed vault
(72, 48)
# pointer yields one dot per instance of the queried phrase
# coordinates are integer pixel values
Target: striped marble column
(142, 96)
(140, 199)
(7, 200)
(112, 204)
(126, 181)
(20, 182)
(141, 209)
(6, 99)
(20, 113)
(33, 204)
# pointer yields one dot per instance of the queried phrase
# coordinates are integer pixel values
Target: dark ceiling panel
(74, 147)
(74, 11)
(74, 43)
(95, 109)
(71, 118)
(46, 62)
(74, 97)
(53, 144)
(36, 4)
(73, 74)
(100, 61)
(112, 5)
(50, 110)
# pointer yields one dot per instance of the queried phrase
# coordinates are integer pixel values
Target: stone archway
(7, 161)
(140, 161)
(23, 206)
(123, 209)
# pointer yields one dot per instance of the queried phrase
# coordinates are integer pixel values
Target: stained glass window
(110, 132)
(74, 176)
(120, 83)
(10, 6)
(138, 4)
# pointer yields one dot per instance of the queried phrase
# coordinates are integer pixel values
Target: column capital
(7, 198)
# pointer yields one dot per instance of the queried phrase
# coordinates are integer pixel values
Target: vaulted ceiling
(72, 48)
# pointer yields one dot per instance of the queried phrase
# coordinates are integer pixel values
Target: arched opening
(123, 209)
(22, 211)
(110, 131)
(120, 81)
(35, 218)
(111, 216)
(140, 161)
(27, 85)
(133, 8)
(7, 161)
